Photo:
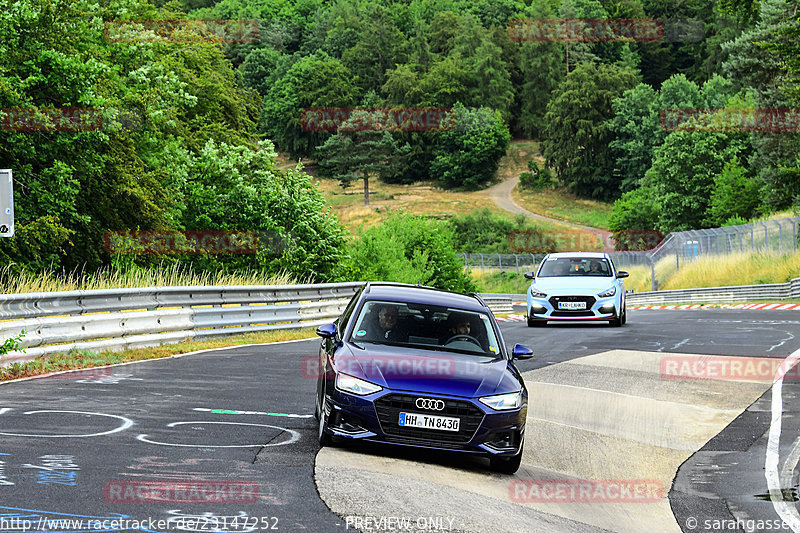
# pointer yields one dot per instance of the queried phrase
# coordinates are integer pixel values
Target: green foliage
(318, 80)
(577, 139)
(683, 175)
(12, 344)
(538, 178)
(765, 58)
(636, 209)
(734, 221)
(410, 249)
(637, 133)
(468, 155)
(634, 219)
(735, 195)
(483, 231)
(237, 188)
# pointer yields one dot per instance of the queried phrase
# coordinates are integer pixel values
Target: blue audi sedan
(577, 286)
(415, 366)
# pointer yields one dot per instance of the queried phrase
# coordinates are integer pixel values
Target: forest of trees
(210, 115)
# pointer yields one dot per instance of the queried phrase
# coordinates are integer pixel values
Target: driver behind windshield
(459, 327)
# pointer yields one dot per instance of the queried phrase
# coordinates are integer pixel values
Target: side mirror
(622, 274)
(530, 275)
(327, 331)
(522, 352)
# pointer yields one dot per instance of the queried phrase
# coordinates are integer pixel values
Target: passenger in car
(386, 327)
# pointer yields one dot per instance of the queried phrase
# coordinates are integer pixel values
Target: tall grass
(175, 274)
(503, 282)
(717, 271)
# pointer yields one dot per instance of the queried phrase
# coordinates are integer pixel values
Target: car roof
(420, 294)
(588, 255)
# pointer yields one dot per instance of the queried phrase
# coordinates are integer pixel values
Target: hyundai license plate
(419, 420)
(572, 306)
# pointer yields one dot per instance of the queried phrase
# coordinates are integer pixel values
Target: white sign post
(6, 203)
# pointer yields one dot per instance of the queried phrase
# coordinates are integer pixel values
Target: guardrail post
(653, 274)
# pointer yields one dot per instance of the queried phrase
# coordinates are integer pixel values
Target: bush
(538, 178)
(638, 209)
(734, 196)
(469, 154)
(485, 232)
(410, 249)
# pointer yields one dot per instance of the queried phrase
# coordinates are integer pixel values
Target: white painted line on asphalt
(786, 510)
(126, 423)
(295, 436)
(787, 472)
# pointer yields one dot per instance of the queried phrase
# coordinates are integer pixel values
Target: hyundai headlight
(610, 292)
(537, 293)
(503, 402)
(356, 386)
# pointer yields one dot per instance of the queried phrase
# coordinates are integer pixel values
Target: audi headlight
(610, 292)
(503, 402)
(355, 386)
(537, 293)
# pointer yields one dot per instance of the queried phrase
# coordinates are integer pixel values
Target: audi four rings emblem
(427, 403)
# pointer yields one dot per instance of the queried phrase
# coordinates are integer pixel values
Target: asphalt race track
(225, 440)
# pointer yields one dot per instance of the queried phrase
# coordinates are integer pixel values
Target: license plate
(572, 305)
(418, 420)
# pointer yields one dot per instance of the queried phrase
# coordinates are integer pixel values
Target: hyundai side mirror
(522, 352)
(327, 331)
(622, 274)
(530, 275)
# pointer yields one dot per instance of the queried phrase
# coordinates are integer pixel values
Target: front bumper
(374, 418)
(595, 308)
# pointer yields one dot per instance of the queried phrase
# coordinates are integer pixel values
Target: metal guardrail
(117, 319)
(739, 293)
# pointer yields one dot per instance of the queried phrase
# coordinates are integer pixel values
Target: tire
(624, 316)
(322, 435)
(504, 465)
(616, 322)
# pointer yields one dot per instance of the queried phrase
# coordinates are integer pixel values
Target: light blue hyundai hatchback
(576, 286)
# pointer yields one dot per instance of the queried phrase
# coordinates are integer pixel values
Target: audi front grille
(388, 409)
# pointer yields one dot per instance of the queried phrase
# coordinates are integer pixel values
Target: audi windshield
(425, 326)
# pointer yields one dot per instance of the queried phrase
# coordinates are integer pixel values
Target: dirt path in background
(501, 195)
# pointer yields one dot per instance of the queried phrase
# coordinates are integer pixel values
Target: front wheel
(322, 430)
(505, 465)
